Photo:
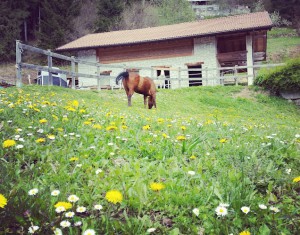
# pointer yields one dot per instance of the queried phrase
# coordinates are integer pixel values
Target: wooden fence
(223, 74)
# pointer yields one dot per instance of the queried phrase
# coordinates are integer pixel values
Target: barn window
(161, 73)
(195, 73)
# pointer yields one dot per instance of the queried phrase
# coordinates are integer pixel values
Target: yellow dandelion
(165, 135)
(193, 157)
(36, 109)
(73, 159)
(111, 128)
(124, 127)
(114, 196)
(75, 103)
(224, 140)
(46, 102)
(71, 109)
(245, 233)
(297, 179)
(66, 205)
(82, 111)
(97, 126)
(146, 127)
(180, 138)
(40, 140)
(209, 122)
(160, 120)
(42, 121)
(87, 123)
(51, 137)
(108, 114)
(183, 128)
(59, 129)
(54, 117)
(3, 201)
(157, 186)
(8, 143)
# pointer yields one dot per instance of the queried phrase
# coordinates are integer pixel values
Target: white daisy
(262, 206)
(57, 231)
(33, 192)
(33, 229)
(245, 209)
(73, 198)
(65, 224)
(81, 209)
(60, 209)
(221, 211)
(55, 193)
(98, 207)
(196, 211)
(274, 209)
(151, 230)
(70, 214)
(89, 232)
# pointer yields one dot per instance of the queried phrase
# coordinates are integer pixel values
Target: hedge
(283, 78)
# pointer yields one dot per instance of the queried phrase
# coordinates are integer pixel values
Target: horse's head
(150, 102)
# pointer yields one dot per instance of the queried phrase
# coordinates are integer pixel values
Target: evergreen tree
(109, 12)
(12, 15)
(56, 22)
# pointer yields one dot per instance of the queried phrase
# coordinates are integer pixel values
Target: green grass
(282, 44)
(281, 32)
(233, 149)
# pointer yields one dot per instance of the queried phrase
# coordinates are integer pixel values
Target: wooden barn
(211, 43)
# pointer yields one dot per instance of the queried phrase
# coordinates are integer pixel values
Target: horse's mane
(121, 76)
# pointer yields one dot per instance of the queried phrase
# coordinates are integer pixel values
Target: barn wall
(204, 50)
(87, 55)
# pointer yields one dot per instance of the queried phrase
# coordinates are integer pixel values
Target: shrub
(280, 78)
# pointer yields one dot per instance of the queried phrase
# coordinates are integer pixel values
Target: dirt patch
(246, 93)
(8, 74)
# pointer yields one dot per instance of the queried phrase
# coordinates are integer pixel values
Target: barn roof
(208, 27)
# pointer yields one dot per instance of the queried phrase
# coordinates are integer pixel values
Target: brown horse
(133, 82)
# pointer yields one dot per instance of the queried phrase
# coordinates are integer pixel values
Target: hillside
(207, 160)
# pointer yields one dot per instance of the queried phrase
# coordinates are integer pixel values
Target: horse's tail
(121, 76)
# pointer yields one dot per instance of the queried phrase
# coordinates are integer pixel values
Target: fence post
(50, 67)
(18, 65)
(98, 78)
(235, 75)
(73, 69)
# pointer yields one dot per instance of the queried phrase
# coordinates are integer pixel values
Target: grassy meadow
(208, 160)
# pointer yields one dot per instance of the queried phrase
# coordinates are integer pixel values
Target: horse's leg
(154, 100)
(145, 101)
(129, 95)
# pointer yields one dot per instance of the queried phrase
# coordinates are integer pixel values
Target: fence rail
(200, 75)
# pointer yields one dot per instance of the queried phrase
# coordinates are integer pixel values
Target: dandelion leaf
(264, 230)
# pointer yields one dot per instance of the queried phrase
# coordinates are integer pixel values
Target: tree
(108, 13)
(12, 16)
(56, 22)
(137, 15)
(175, 11)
